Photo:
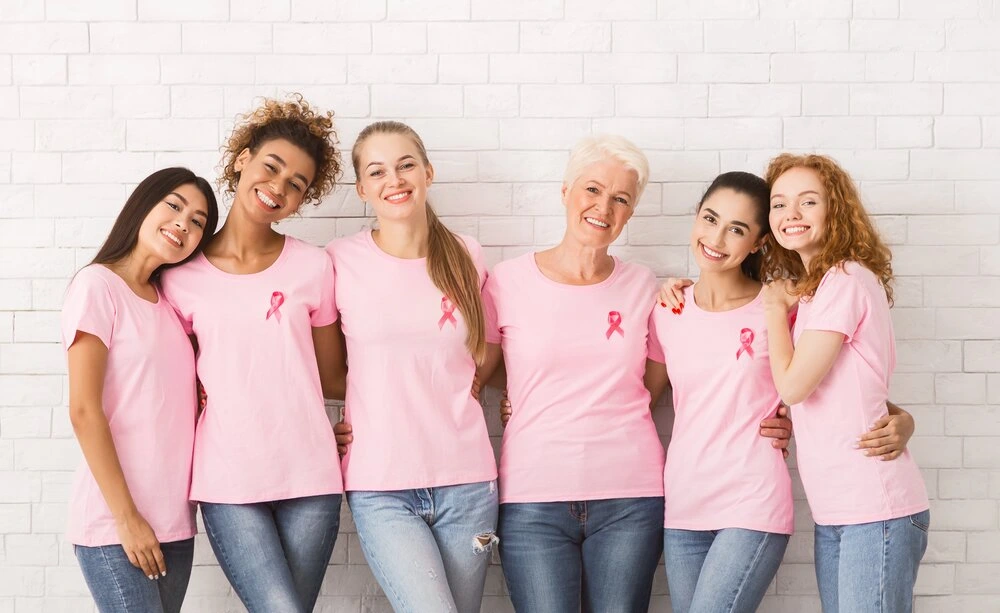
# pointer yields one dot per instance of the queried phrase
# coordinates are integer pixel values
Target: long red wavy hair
(849, 234)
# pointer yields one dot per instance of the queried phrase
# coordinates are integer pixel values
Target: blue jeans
(119, 587)
(274, 553)
(870, 567)
(429, 548)
(720, 571)
(600, 555)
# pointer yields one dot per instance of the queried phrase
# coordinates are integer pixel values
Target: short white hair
(604, 147)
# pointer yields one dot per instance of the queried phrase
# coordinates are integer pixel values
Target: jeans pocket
(921, 520)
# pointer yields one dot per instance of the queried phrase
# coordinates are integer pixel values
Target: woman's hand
(887, 437)
(141, 546)
(476, 386)
(343, 432)
(505, 409)
(778, 295)
(672, 294)
(779, 428)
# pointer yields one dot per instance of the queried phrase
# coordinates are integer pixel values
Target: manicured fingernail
(150, 577)
(856, 445)
(682, 305)
(163, 574)
(675, 311)
(663, 304)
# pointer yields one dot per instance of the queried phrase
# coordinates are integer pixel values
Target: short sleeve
(490, 292)
(654, 349)
(89, 307)
(326, 312)
(839, 305)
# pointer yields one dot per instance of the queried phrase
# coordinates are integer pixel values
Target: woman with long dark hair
(132, 400)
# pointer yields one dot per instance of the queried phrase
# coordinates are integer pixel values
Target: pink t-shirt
(264, 434)
(149, 400)
(842, 484)
(410, 374)
(575, 356)
(720, 473)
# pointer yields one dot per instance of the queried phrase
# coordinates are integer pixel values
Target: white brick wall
(906, 93)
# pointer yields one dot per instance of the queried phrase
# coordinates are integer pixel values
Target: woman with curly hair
(825, 255)
(260, 308)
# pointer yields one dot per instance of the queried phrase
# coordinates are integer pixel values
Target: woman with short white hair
(581, 486)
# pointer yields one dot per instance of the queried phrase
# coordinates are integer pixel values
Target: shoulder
(634, 274)
(514, 266)
(339, 246)
(90, 281)
(847, 274)
(470, 243)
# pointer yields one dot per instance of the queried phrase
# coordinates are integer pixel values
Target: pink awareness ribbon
(277, 299)
(614, 324)
(447, 310)
(746, 339)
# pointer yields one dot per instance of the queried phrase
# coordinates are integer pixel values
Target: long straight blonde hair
(449, 263)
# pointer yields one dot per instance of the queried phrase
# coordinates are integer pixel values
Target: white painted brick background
(905, 93)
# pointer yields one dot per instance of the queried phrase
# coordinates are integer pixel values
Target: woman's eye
(621, 201)
(297, 187)
(270, 168)
(709, 219)
(407, 166)
(737, 231)
(375, 173)
(592, 190)
(173, 206)
(809, 202)
(198, 223)
(777, 205)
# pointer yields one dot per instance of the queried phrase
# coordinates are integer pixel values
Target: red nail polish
(682, 306)
(663, 304)
(675, 311)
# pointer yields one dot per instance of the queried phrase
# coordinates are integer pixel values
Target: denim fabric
(429, 548)
(720, 571)
(598, 555)
(275, 553)
(870, 568)
(119, 587)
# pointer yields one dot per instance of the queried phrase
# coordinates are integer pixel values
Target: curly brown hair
(296, 121)
(849, 235)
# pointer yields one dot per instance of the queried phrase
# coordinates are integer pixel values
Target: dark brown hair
(151, 191)
(756, 189)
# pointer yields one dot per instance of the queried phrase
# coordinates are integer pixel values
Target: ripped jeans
(429, 548)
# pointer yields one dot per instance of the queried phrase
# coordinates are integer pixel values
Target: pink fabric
(410, 374)
(149, 400)
(842, 484)
(264, 434)
(720, 473)
(575, 356)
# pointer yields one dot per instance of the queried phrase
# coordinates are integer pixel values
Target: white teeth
(713, 253)
(398, 197)
(172, 237)
(595, 222)
(795, 230)
(267, 200)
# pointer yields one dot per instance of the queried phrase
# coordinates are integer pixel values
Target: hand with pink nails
(672, 294)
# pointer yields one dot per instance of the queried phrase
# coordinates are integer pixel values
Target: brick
(975, 196)
(546, 134)
(724, 67)
(971, 98)
(629, 68)
(26, 233)
(743, 36)
(23, 10)
(828, 132)
(984, 547)
(205, 69)
(972, 35)
(183, 10)
(693, 9)
(955, 230)
(817, 67)
(523, 166)
(43, 38)
(390, 37)
(106, 166)
(972, 324)
(935, 579)
(958, 66)
(457, 134)
(896, 99)
(472, 37)
(981, 356)
(656, 36)
(567, 100)
(821, 35)
(463, 68)
(415, 10)
(924, 9)
(897, 35)
(39, 69)
(336, 10)
(517, 10)
(982, 452)
(416, 100)
(226, 38)
(141, 101)
(682, 166)
(53, 102)
(307, 38)
(958, 164)
(646, 132)
(887, 66)
(825, 99)
(392, 69)
(718, 133)
(973, 420)
(661, 100)
(928, 355)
